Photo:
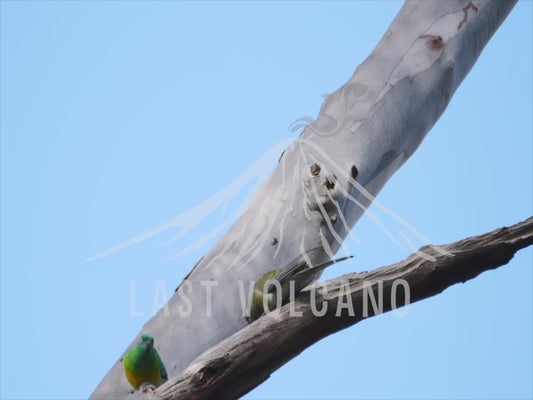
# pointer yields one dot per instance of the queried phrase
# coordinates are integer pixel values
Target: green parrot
(143, 365)
(301, 274)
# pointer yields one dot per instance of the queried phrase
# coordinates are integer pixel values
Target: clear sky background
(118, 116)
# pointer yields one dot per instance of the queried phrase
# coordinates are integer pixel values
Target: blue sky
(118, 116)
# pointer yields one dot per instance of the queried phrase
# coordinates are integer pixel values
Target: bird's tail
(308, 275)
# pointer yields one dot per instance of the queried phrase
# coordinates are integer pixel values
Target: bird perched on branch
(301, 274)
(144, 366)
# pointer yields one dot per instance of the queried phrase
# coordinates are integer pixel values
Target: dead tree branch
(246, 359)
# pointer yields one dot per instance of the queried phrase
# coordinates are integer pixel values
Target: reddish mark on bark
(434, 42)
(315, 169)
(465, 18)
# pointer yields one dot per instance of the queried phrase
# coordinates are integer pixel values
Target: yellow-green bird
(302, 275)
(143, 364)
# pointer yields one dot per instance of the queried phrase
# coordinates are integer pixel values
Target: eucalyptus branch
(241, 362)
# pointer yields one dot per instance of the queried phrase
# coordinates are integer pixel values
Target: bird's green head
(147, 342)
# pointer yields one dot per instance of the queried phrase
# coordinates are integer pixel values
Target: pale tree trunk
(328, 177)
